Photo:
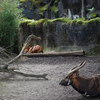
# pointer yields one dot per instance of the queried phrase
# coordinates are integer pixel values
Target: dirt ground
(22, 88)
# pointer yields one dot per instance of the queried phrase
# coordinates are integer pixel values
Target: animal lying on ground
(34, 49)
(88, 87)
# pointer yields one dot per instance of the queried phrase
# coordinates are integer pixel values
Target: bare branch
(5, 67)
(30, 37)
(12, 71)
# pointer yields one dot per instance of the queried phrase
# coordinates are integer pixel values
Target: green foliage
(35, 2)
(43, 8)
(10, 17)
(36, 23)
(25, 20)
(54, 8)
(93, 20)
(80, 21)
(93, 15)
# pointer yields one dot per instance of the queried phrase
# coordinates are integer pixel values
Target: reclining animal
(88, 87)
(34, 49)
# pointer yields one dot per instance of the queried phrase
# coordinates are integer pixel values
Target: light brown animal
(34, 49)
(37, 49)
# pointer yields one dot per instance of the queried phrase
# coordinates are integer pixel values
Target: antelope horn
(81, 65)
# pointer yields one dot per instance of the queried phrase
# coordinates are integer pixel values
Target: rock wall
(61, 35)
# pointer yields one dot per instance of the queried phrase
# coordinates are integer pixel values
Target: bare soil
(22, 88)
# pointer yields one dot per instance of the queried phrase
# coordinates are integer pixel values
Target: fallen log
(68, 53)
(14, 72)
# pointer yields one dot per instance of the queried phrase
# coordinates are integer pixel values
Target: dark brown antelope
(88, 87)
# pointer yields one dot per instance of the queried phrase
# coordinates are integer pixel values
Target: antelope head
(73, 73)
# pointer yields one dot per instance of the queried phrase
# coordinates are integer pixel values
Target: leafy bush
(10, 16)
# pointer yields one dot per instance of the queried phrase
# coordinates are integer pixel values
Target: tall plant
(10, 16)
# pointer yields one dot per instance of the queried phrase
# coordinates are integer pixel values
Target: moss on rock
(35, 2)
(80, 21)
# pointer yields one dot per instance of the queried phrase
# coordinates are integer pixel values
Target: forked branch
(30, 37)
(5, 67)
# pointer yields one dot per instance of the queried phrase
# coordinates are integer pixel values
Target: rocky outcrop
(60, 34)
